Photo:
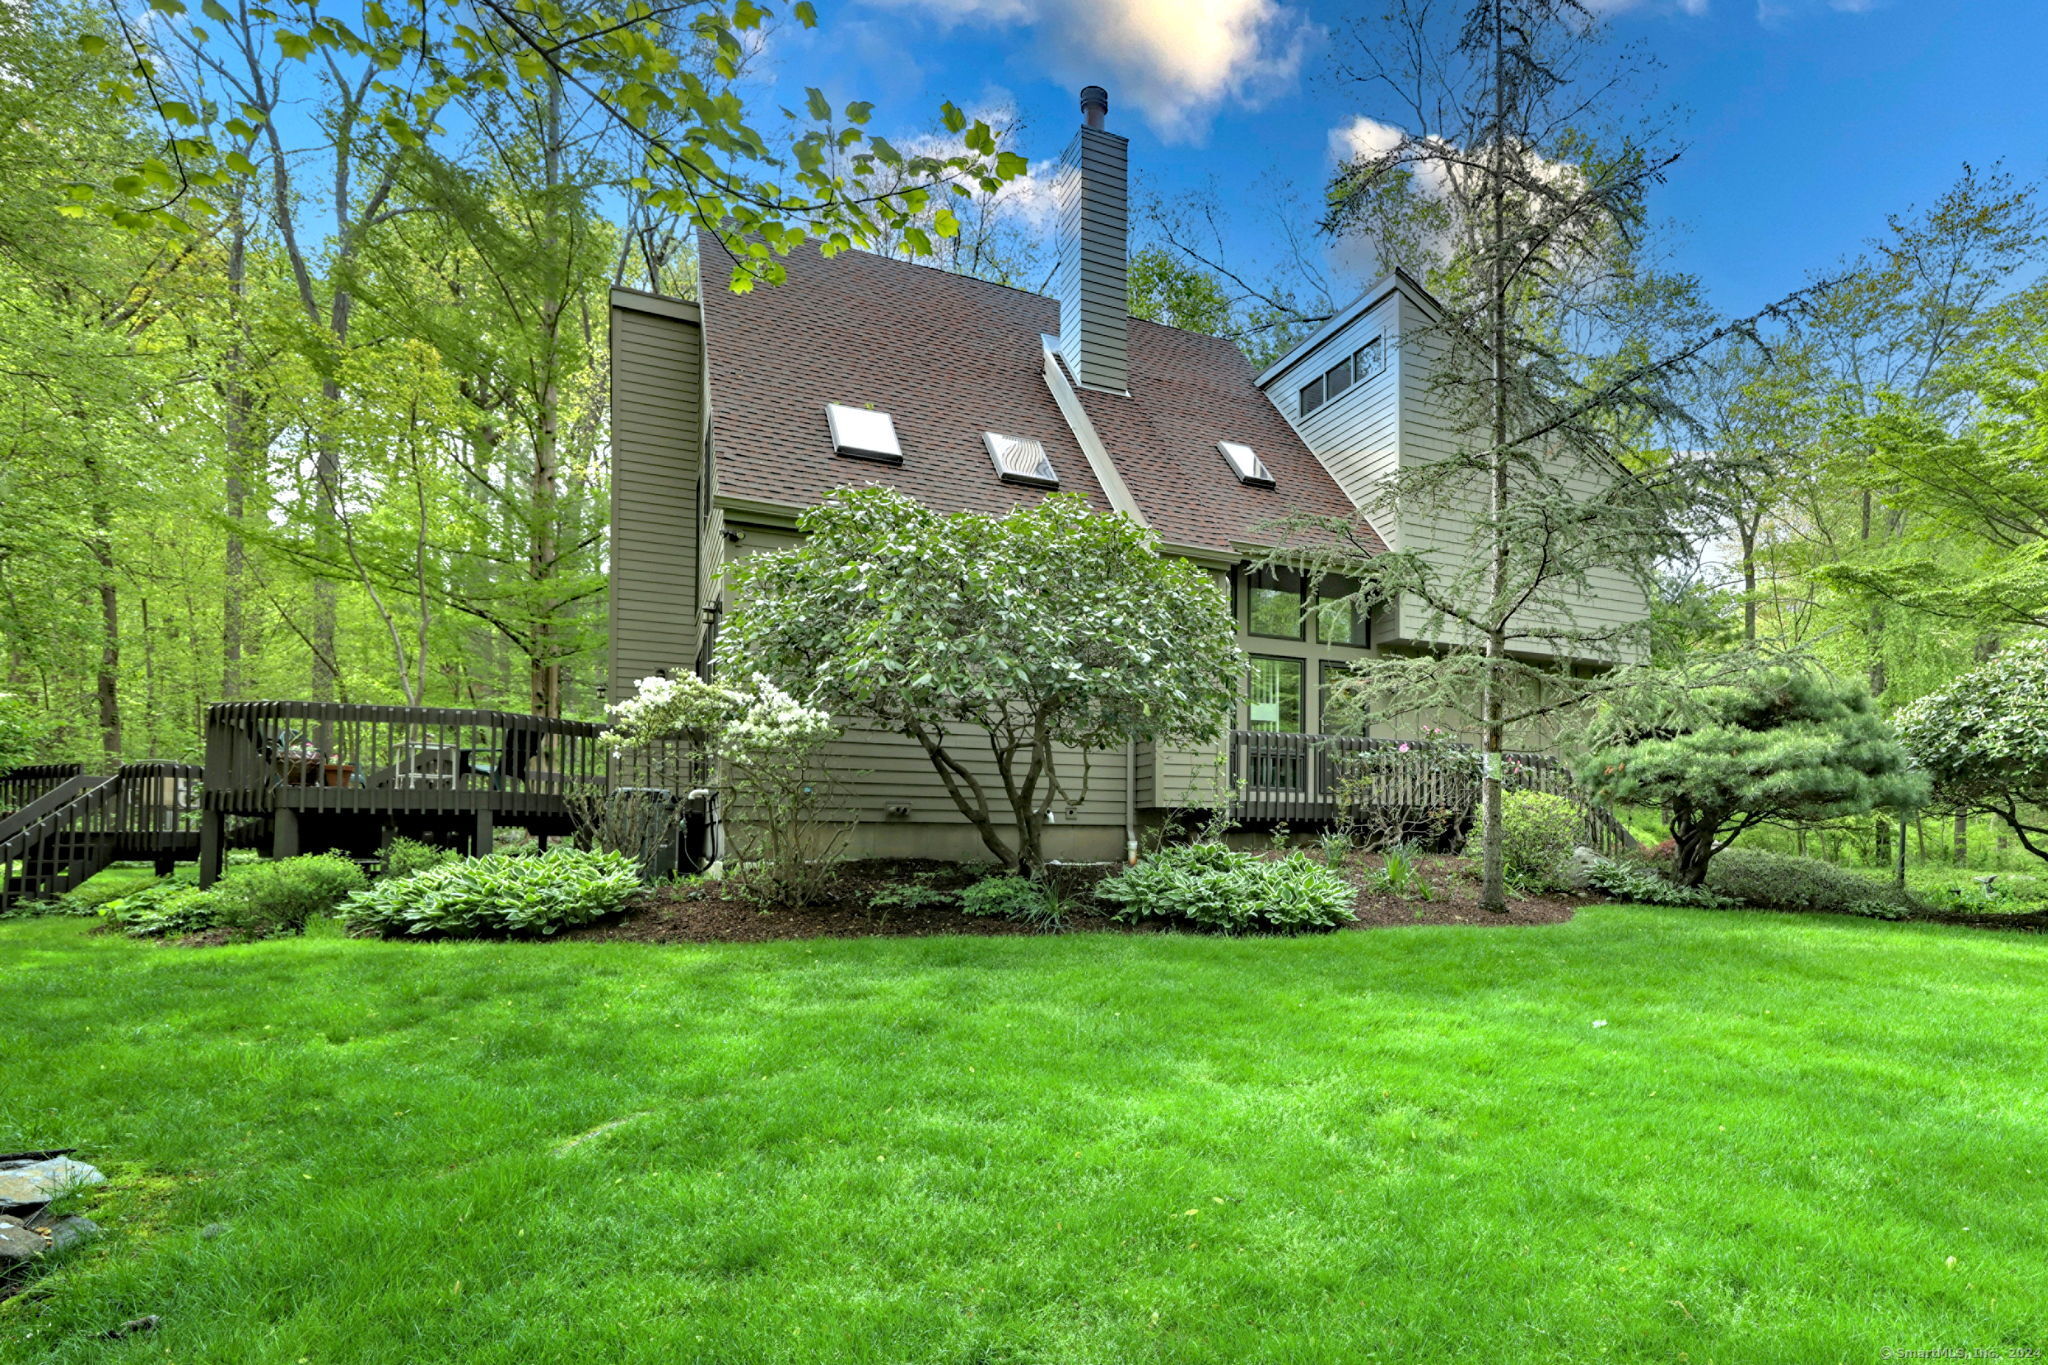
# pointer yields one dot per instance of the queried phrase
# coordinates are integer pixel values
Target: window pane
(1275, 604)
(1340, 618)
(1338, 378)
(1311, 396)
(1341, 711)
(1369, 359)
(1276, 695)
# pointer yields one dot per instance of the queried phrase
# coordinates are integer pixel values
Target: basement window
(863, 433)
(1246, 464)
(1019, 459)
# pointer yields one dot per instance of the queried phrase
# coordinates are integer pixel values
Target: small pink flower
(1404, 748)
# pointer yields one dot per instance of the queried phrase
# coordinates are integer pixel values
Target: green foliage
(1630, 879)
(403, 857)
(1776, 881)
(1167, 290)
(1983, 741)
(920, 892)
(1213, 887)
(1400, 873)
(1015, 898)
(20, 730)
(163, 909)
(257, 900)
(1777, 745)
(1047, 625)
(665, 77)
(1538, 833)
(497, 894)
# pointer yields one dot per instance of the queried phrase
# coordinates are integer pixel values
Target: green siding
(657, 388)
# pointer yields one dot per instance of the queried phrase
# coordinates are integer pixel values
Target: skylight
(1246, 464)
(1019, 459)
(863, 433)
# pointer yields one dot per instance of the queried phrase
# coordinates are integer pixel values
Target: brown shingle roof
(950, 357)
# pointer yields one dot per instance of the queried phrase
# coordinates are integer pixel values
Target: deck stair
(81, 822)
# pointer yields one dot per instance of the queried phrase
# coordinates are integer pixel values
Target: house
(732, 416)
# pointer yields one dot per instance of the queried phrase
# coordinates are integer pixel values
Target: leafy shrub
(1219, 888)
(1633, 879)
(1779, 881)
(1538, 831)
(921, 892)
(167, 907)
(1016, 898)
(498, 894)
(1400, 872)
(261, 899)
(404, 857)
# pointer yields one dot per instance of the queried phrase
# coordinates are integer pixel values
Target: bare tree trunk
(1493, 887)
(1962, 840)
(546, 671)
(236, 406)
(100, 545)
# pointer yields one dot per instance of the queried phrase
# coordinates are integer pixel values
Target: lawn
(1794, 1139)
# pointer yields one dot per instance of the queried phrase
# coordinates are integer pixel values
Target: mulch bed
(700, 914)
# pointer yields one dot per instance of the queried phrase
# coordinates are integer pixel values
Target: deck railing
(21, 786)
(263, 756)
(1309, 779)
(80, 824)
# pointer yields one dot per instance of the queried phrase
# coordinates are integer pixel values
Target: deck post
(486, 829)
(284, 833)
(212, 838)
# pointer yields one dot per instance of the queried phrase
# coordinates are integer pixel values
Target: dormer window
(863, 434)
(1368, 360)
(1019, 459)
(1361, 365)
(1246, 464)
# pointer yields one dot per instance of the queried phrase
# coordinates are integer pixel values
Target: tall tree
(1553, 359)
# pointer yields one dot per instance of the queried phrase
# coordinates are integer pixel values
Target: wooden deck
(1310, 780)
(333, 775)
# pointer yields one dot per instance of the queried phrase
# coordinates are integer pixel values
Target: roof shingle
(950, 357)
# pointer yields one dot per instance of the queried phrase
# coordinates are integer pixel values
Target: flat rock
(18, 1244)
(69, 1230)
(38, 1182)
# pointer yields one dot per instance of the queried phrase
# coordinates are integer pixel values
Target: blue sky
(1805, 122)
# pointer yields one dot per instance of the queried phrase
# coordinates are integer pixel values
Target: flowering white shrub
(764, 745)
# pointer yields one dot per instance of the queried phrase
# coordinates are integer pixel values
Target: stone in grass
(68, 1231)
(18, 1243)
(28, 1183)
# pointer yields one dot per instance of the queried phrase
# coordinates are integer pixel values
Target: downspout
(1131, 802)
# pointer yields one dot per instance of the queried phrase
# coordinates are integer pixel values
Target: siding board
(657, 459)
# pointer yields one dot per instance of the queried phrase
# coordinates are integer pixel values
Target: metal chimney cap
(1094, 104)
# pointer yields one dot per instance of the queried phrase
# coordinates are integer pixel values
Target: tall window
(1340, 619)
(1275, 604)
(1339, 711)
(1276, 694)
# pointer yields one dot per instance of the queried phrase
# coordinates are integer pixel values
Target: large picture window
(1276, 694)
(1340, 619)
(1274, 604)
(1339, 712)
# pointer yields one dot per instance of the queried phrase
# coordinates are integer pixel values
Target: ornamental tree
(992, 640)
(1983, 742)
(1780, 746)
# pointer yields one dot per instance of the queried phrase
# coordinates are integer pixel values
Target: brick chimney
(1093, 194)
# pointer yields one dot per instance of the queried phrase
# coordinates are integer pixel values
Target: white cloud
(1174, 61)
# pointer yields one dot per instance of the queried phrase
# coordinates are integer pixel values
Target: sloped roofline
(1394, 281)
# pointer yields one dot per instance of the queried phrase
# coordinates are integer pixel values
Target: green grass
(1398, 1145)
